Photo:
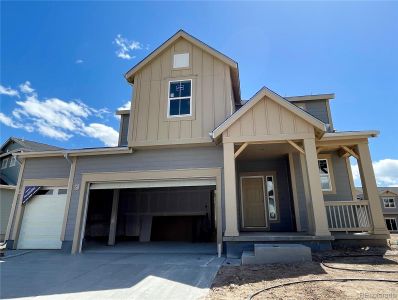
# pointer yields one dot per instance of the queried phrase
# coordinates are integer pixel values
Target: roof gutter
(79, 152)
(349, 135)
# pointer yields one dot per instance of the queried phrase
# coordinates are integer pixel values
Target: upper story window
(180, 98)
(4, 164)
(181, 60)
(13, 161)
(389, 202)
(324, 173)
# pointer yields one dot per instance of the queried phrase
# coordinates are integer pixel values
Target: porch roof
(265, 92)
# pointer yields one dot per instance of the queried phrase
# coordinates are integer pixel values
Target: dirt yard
(239, 282)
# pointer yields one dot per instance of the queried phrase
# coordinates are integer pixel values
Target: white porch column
(370, 188)
(315, 190)
(231, 211)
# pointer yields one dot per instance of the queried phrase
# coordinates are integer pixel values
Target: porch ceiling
(259, 151)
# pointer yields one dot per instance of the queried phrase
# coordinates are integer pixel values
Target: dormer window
(180, 98)
(181, 60)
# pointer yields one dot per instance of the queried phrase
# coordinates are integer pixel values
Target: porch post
(231, 211)
(314, 183)
(370, 188)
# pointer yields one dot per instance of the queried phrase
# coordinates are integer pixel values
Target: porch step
(276, 253)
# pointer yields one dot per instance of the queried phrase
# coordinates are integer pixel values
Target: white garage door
(42, 220)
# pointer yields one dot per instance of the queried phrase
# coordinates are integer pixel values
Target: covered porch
(280, 155)
(304, 210)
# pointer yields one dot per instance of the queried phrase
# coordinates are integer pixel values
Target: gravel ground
(238, 282)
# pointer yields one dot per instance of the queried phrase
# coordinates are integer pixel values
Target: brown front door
(254, 213)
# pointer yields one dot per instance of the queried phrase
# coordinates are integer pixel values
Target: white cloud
(8, 91)
(11, 123)
(8, 121)
(106, 134)
(26, 88)
(79, 61)
(126, 47)
(57, 118)
(386, 172)
(125, 106)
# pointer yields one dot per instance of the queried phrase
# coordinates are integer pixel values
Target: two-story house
(9, 170)
(389, 205)
(197, 164)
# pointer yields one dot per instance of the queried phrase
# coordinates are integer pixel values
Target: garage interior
(134, 216)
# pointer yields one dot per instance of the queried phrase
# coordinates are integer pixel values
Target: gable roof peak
(190, 38)
(264, 91)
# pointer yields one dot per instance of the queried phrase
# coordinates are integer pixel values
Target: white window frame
(274, 197)
(13, 161)
(177, 98)
(388, 198)
(181, 55)
(328, 164)
(4, 164)
(396, 223)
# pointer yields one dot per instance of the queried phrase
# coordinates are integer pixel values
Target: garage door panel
(42, 222)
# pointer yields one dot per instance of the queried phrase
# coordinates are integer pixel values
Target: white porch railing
(348, 215)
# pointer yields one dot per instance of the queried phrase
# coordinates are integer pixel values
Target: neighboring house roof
(27, 145)
(310, 97)
(5, 180)
(264, 91)
(382, 190)
(182, 34)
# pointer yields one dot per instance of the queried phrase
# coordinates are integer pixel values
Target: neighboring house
(9, 169)
(194, 164)
(389, 205)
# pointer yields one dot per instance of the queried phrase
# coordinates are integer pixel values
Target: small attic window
(181, 60)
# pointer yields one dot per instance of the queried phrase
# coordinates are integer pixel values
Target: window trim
(181, 68)
(177, 98)
(4, 163)
(396, 223)
(13, 161)
(327, 158)
(393, 201)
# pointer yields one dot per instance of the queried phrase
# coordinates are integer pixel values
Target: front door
(258, 199)
(254, 211)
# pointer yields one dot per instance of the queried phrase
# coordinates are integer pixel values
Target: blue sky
(63, 61)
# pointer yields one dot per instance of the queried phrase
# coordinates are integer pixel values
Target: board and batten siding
(124, 128)
(303, 212)
(268, 118)
(212, 100)
(317, 108)
(341, 180)
(154, 159)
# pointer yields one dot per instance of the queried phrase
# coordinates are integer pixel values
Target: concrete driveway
(54, 274)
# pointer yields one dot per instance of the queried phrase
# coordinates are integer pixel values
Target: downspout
(67, 158)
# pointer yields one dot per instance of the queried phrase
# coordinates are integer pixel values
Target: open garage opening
(132, 217)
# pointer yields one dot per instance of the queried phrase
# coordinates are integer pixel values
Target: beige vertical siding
(268, 118)
(211, 98)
